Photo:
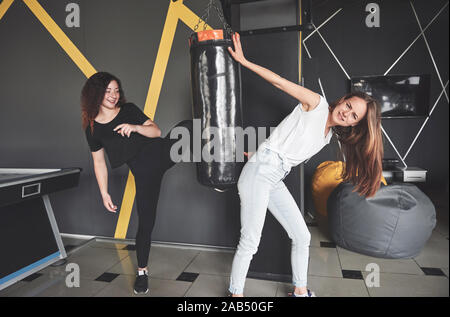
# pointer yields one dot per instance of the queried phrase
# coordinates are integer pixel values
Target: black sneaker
(141, 283)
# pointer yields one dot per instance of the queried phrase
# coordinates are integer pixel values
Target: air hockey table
(29, 234)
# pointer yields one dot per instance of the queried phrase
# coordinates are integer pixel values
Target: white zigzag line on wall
(316, 30)
(428, 47)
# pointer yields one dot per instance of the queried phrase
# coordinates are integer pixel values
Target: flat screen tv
(400, 96)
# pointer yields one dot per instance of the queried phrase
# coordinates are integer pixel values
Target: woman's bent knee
(301, 238)
(248, 244)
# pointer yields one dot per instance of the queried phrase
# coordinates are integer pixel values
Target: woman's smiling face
(112, 95)
(349, 112)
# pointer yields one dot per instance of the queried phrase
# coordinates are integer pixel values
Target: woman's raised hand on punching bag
(237, 54)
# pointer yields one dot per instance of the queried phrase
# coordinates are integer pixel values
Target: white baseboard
(189, 246)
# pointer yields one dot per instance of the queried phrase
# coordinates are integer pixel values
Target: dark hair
(362, 147)
(92, 96)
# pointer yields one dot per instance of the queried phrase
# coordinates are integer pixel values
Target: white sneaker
(308, 293)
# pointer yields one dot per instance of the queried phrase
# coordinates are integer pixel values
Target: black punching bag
(216, 92)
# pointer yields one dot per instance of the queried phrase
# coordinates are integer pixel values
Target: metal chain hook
(202, 18)
(205, 17)
(225, 25)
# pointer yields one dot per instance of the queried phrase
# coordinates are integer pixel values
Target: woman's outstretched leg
(178, 144)
(254, 193)
(284, 208)
(147, 194)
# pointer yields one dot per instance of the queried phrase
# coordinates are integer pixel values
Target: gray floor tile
(285, 288)
(6, 292)
(399, 277)
(317, 236)
(260, 288)
(405, 285)
(168, 288)
(355, 261)
(257, 287)
(92, 261)
(324, 262)
(122, 286)
(211, 262)
(87, 289)
(435, 253)
(209, 286)
(108, 245)
(126, 266)
(55, 286)
(329, 287)
(164, 262)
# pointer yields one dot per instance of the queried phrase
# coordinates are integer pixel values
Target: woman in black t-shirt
(129, 137)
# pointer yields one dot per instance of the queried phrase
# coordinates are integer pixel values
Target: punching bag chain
(205, 18)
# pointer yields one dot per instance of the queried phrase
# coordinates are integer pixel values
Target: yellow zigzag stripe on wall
(4, 6)
(177, 10)
(60, 37)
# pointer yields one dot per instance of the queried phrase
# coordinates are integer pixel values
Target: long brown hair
(362, 147)
(92, 96)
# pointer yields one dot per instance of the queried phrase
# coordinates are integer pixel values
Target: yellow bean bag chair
(325, 179)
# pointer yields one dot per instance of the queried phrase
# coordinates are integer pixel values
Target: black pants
(148, 168)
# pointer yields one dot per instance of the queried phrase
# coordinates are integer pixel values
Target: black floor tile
(357, 275)
(432, 271)
(326, 244)
(107, 277)
(32, 277)
(187, 277)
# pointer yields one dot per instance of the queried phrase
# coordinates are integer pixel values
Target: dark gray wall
(40, 88)
(40, 120)
(266, 106)
(371, 51)
(41, 127)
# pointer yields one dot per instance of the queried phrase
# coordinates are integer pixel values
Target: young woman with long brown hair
(127, 136)
(354, 118)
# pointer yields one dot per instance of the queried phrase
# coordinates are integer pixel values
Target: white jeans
(260, 187)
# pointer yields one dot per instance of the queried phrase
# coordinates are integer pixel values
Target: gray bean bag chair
(395, 223)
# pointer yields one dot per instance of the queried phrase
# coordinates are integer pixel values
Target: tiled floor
(108, 269)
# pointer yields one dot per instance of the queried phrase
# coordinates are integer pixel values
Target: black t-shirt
(118, 148)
